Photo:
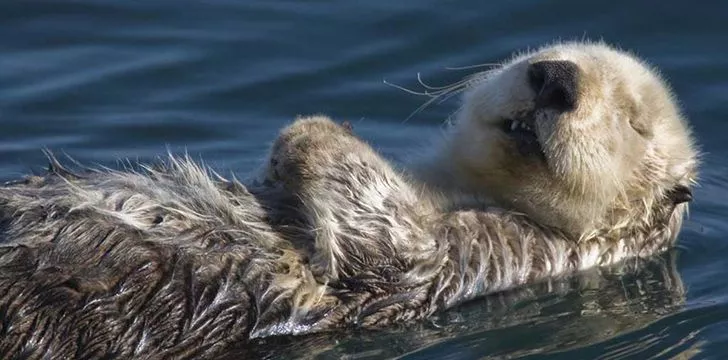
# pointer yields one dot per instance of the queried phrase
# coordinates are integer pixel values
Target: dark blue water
(103, 80)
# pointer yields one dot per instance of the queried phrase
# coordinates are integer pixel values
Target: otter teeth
(515, 124)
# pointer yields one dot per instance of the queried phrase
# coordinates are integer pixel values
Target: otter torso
(175, 264)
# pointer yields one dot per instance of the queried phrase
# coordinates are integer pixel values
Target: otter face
(573, 135)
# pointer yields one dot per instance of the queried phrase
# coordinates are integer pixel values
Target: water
(102, 80)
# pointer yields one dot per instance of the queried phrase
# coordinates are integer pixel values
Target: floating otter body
(579, 148)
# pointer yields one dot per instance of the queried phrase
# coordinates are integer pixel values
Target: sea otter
(566, 158)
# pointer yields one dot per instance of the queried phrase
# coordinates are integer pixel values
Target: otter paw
(305, 149)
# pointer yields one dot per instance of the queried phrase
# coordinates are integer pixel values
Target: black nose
(555, 84)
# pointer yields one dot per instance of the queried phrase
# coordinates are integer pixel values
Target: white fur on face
(624, 141)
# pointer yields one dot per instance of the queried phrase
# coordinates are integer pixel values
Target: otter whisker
(439, 88)
(419, 109)
(468, 67)
(440, 97)
(440, 94)
(400, 87)
(450, 120)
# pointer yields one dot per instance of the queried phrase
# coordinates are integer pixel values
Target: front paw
(304, 149)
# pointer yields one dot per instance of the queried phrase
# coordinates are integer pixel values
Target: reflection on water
(549, 318)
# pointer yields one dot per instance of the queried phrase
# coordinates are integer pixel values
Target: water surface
(103, 80)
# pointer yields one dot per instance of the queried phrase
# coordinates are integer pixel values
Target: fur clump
(166, 262)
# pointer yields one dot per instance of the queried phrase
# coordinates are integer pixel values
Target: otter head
(580, 137)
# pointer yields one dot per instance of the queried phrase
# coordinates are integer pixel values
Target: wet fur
(170, 262)
(175, 261)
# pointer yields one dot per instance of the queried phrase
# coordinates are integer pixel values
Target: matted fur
(175, 261)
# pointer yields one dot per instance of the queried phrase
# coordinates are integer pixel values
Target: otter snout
(555, 84)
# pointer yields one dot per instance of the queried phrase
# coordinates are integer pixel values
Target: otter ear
(641, 125)
(639, 120)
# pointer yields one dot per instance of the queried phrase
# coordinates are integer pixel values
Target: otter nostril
(555, 84)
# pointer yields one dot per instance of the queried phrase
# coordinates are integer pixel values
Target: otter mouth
(521, 131)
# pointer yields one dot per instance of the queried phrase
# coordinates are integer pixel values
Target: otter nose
(555, 84)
